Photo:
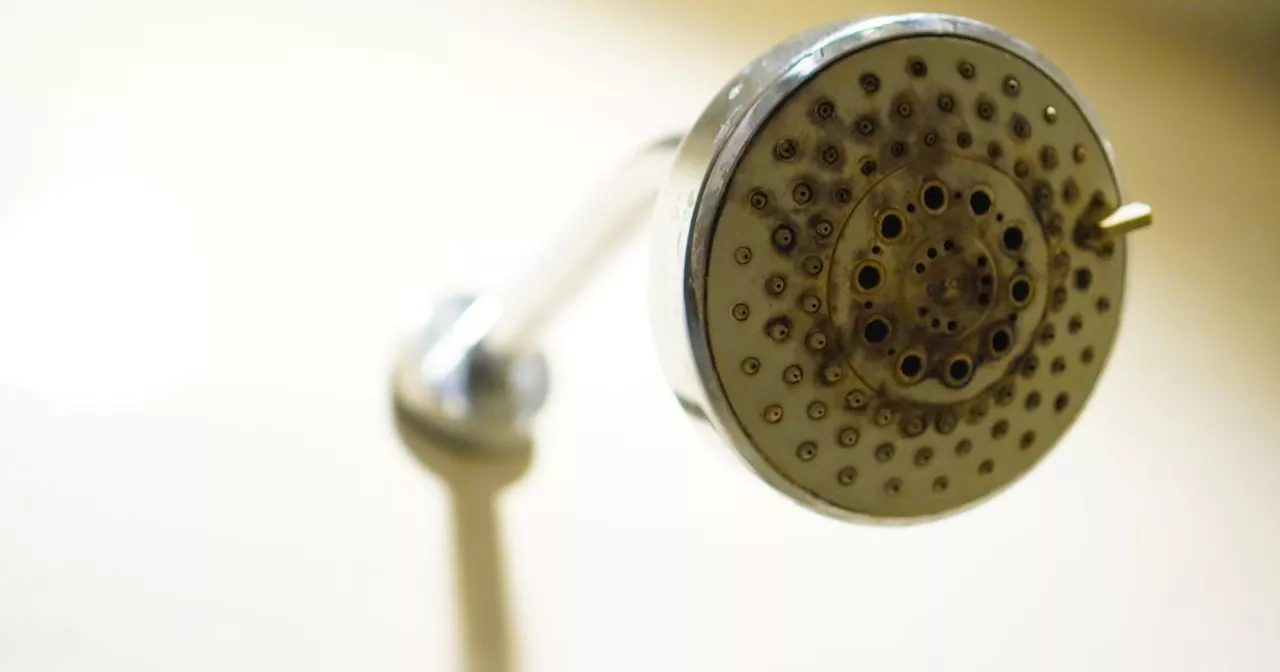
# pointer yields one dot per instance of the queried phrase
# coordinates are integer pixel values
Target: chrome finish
(461, 392)
(473, 375)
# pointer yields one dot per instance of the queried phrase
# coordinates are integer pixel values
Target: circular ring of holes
(786, 149)
(981, 201)
(810, 303)
(876, 330)
(824, 110)
(911, 366)
(1021, 290)
(784, 238)
(1000, 341)
(802, 193)
(958, 371)
(868, 276)
(1012, 239)
(891, 225)
(933, 197)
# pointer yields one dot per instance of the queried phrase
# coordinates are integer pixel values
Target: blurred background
(218, 219)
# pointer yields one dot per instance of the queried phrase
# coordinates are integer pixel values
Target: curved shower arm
(531, 298)
(473, 374)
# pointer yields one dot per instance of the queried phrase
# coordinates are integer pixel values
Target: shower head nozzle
(890, 263)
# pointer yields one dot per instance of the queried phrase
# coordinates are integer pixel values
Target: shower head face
(891, 313)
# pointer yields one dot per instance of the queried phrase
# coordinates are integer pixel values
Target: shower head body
(881, 265)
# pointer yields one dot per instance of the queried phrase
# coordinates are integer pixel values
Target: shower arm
(472, 375)
(614, 214)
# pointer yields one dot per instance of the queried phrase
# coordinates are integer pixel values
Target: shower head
(884, 267)
(889, 265)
